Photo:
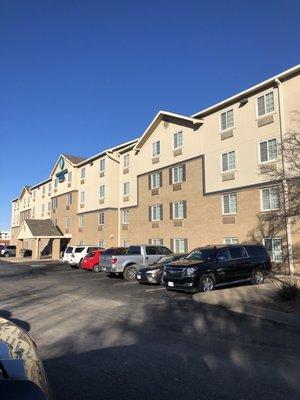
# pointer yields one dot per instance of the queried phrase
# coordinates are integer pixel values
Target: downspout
(119, 202)
(285, 192)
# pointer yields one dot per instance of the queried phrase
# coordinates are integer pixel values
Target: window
(81, 243)
(49, 187)
(126, 243)
(125, 217)
(159, 242)
(268, 150)
(156, 149)
(265, 104)
(178, 210)
(68, 222)
(126, 160)
(102, 165)
(101, 218)
(82, 196)
(82, 173)
(179, 245)
(54, 203)
(150, 250)
(274, 248)
(270, 199)
(102, 191)
(33, 212)
(49, 206)
(178, 174)
(44, 189)
(229, 203)
(43, 208)
(69, 199)
(70, 176)
(228, 161)
(55, 183)
(101, 243)
(81, 221)
(134, 250)
(34, 194)
(226, 120)
(156, 212)
(236, 253)
(156, 180)
(177, 140)
(223, 255)
(230, 240)
(54, 221)
(126, 189)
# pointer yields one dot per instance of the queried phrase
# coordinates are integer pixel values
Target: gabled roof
(74, 159)
(42, 228)
(164, 116)
(249, 91)
(24, 189)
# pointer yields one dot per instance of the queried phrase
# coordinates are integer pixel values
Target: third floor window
(265, 104)
(177, 140)
(102, 191)
(155, 180)
(126, 189)
(102, 165)
(267, 150)
(126, 161)
(82, 173)
(226, 120)
(228, 161)
(156, 149)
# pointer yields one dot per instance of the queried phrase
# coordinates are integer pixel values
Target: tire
(129, 273)
(96, 268)
(78, 265)
(207, 283)
(257, 277)
(161, 281)
(6, 255)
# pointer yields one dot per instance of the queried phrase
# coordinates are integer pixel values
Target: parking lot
(105, 338)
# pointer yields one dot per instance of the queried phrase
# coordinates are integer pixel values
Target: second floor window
(178, 174)
(82, 173)
(82, 197)
(229, 203)
(102, 165)
(44, 189)
(69, 199)
(54, 203)
(268, 150)
(68, 222)
(178, 210)
(126, 189)
(101, 218)
(55, 183)
(125, 216)
(265, 104)
(102, 191)
(226, 120)
(49, 187)
(70, 176)
(156, 212)
(274, 248)
(156, 149)
(177, 140)
(228, 161)
(126, 160)
(155, 180)
(81, 221)
(43, 208)
(270, 199)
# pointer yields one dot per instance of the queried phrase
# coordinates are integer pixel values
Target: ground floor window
(230, 240)
(81, 243)
(274, 248)
(101, 218)
(158, 242)
(179, 245)
(126, 243)
(101, 243)
(125, 217)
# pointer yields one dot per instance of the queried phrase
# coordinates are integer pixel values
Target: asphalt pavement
(104, 338)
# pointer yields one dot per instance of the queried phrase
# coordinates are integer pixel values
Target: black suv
(207, 267)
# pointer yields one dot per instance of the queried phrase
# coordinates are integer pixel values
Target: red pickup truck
(91, 261)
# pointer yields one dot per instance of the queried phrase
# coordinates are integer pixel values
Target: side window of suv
(163, 250)
(236, 253)
(150, 250)
(223, 255)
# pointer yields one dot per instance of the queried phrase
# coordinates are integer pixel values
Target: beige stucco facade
(117, 180)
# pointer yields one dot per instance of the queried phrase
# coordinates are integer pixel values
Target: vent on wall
(166, 124)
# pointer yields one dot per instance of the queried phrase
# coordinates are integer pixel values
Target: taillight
(114, 260)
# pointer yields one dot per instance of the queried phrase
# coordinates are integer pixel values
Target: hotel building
(187, 181)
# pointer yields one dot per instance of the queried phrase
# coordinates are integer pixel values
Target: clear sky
(79, 76)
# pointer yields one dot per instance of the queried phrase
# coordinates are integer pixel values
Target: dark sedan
(153, 272)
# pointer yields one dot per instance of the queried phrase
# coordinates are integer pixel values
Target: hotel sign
(63, 171)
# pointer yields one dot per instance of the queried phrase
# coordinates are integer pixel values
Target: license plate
(138, 276)
(171, 284)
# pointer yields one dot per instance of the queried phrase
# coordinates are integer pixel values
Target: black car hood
(151, 268)
(186, 263)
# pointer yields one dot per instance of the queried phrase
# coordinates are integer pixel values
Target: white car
(79, 252)
(67, 254)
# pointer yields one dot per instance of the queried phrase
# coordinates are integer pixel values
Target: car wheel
(78, 265)
(129, 273)
(96, 268)
(161, 281)
(257, 277)
(207, 283)
(6, 255)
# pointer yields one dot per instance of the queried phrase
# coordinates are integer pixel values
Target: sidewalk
(27, 260)
(257, 301)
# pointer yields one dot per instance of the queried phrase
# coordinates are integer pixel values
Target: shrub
(288, 291)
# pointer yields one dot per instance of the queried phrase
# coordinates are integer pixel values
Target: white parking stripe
(155, 289)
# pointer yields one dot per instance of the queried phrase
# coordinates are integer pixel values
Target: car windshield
(69, 249)
(202, 255)
(163, 260)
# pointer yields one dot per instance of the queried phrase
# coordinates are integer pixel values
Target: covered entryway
(41, 237)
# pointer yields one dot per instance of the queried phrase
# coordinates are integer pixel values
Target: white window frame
(102, 165)
(49, 187)
(68, 222)
(231, 240)
(154, 149)
(152, 180)
(81, 243)
(82, 197)
(179, 146)
(81, 221)
(55, 183)
(155, 207)
(230, 212)
(157, 242)
(82, 173)
(101, 218)
(181, 245)
(272, 254)
(269, 159)
(101, 243)
(126, 188)
(174, 209)
(102, 188)
(220, 119)
(261, 198)
(180, 180)
(221, 160)
(69, 176)
(125, 217)
(264, 95)
(69, 199)
(126, 160)
(44, 190)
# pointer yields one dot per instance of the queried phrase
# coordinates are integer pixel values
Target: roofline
(40, 183)
(254, 88)
(168, 114)
(103, 153)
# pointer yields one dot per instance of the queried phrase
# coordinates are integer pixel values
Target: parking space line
(155, 289)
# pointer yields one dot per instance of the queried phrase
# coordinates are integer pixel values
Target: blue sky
(78, 76)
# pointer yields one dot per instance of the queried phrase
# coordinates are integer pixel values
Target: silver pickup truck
(136, 256)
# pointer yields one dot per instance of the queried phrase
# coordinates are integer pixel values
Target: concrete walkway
(256, 301)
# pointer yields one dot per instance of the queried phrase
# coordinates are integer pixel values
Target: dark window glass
(256, 251)
(69, 250)
(163, 250)
(202, 255)
(151, 250)
(11, 247)
(223, 255)
(134, 250)
(79, 249)
(115, 251)
(236, 253)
